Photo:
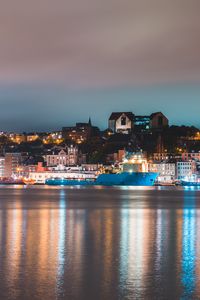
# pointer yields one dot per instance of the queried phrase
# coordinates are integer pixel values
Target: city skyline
(99, 149)
(35, 116)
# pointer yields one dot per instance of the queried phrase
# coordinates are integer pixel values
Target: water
(99, 243)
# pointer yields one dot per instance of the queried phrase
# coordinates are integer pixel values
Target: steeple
(89, 122)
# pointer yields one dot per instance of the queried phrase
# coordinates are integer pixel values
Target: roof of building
(156, 113)
(57, 151)
(117, 115)
(82, 125)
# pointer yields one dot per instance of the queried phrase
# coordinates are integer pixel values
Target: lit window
(123, 121)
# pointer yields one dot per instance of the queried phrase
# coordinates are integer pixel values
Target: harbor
(133, 170)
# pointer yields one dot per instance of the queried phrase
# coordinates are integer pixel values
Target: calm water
(94, 243)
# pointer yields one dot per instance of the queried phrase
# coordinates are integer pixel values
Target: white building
(56, 158)
(167, 171)
(2, 166)
(185, 168)
(64, 157)
(121, 122)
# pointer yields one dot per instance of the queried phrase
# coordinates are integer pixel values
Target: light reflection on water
(87, 243)
(188, 248)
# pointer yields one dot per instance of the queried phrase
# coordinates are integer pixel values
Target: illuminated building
(56, 158)
(72, 173)
(142, 123)
(2, 166)
(167, 171)
(80, 133)
(91, 167)
(31, 137)
(25, 170)
(69, 156)
(53, 138)
(156, 120)
(17, 138)
(12, 163)
(185, 169)
(164, 156)
(126, 122)
(121, 122)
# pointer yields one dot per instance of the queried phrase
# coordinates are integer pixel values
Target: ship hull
(190, 183)
(122, 179)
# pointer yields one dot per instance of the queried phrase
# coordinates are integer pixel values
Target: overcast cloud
(99, 42)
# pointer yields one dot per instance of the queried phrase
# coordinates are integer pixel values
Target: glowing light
(188, 249)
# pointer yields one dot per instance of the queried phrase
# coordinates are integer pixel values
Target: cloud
(92, 43)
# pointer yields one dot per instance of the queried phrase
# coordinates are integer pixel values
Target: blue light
(188, 276)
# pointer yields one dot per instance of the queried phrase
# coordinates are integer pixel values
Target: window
(123, 121)
(160, 120)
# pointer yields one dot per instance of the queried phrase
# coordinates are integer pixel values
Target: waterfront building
(25, 170)
(2, 166)
(121, 122)
(12, 163)
(185, 169)
(167, 171)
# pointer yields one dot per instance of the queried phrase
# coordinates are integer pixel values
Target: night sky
(63, 61)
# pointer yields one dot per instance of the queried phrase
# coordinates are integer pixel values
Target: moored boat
(190, 183)
(123, 179)
(134, 173)
(67, 181)
(193, 180)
